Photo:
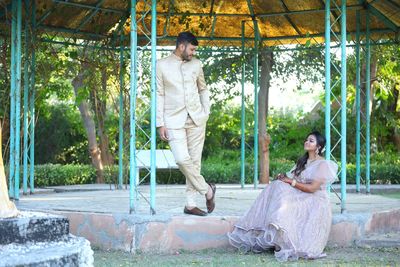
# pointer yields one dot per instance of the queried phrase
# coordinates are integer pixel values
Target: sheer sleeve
(326, 171)
(290, 174)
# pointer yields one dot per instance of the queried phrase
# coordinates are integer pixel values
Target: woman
(7, 208)
(292, 215)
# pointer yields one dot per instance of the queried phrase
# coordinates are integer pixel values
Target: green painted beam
(26, 98)
(239, 39)
(153, 89)
(219, 50)
(166, 25)
(390, 24)
(367, 105)
(261, 15)
(242, 117)
(108, 48)
(323, 34)
(5, 9)
(90, 16)
(213, 27)
(72, 31)
(13, 60)
(358, 107)
(32, 101)
(343, 110)
(18, 44)
(235, 39)
(121, 116)
(80, 5)
(289, 19)
(133, 190)
(394, 4)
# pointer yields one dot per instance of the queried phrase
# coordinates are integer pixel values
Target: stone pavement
(102, 216)
(231, 200)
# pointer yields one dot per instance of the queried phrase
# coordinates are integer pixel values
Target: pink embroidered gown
(294, 223)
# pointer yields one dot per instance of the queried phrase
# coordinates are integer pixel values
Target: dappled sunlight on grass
(230, 257)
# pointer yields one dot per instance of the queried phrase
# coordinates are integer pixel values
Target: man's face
(188, 51)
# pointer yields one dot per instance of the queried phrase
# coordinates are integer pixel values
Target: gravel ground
(229, 257)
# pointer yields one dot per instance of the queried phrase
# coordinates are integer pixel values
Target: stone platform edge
(167, 234)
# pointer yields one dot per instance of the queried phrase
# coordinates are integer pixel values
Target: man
(183, 107)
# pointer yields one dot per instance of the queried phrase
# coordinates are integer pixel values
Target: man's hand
(163, 133)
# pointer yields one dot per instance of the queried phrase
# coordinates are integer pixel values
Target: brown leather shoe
(210, 203)
(195, 211)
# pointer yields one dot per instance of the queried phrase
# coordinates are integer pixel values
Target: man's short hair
(186, 37)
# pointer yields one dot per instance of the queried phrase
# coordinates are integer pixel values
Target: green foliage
(221, 167)
(60, 136)
(380, 173)
(57, 174)
(4, 77)
(223, 128)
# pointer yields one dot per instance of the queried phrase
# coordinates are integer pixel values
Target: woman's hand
(284, 178)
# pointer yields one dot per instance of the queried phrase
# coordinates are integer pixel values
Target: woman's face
(310, 144)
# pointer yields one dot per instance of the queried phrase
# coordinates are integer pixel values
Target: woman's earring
(317, 151)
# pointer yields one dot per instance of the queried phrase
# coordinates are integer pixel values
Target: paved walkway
(231, 200)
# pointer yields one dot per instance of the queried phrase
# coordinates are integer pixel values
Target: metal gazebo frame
(142, 13)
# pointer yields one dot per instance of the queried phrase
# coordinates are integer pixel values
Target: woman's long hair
(301, 162)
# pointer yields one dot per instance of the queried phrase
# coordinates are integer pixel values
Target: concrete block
(69, 251)
(343, 234)
(384, 222)
(33, 227)
(184, 232)
(103, 230)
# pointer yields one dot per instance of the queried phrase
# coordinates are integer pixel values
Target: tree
(91, 92)
(263, 99)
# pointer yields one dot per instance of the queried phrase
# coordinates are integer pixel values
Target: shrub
(57, 174)
(221, 167)
(380, 173)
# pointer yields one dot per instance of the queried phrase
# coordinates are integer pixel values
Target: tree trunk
(373, 69)
(88, 122)
(264, 138)
(393, 109)
(100, 106)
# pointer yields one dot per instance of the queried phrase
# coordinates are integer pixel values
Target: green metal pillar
(367, 101)
(11, 176)
(26, 97)
(32, 101)
(344, 106)
(121, 113)
(243, 114)
(133, 92)
(358, 111)
(153, 107)
(256, 75)
(328, 79)
(17, 98)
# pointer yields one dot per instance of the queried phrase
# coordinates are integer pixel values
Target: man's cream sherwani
(181, 90)
(183, 107)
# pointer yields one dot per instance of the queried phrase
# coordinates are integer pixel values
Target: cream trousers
(187, 146)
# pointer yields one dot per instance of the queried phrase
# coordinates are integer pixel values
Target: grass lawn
(391, 195)
(230, 258)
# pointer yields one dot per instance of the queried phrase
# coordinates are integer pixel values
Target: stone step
(33, 227)
(68, 251)
(380, 240)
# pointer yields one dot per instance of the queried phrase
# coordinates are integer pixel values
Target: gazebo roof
(215, 22)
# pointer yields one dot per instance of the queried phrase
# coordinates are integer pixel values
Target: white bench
(164, 160)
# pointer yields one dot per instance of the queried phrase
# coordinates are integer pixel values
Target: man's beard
(185, 56)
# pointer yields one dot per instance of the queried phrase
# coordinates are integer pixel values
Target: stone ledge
(391, 239)
(33, 227)
(165, 234)
(69, 251)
